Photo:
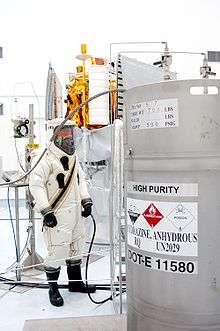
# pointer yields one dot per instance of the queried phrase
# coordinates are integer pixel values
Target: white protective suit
(66, 240)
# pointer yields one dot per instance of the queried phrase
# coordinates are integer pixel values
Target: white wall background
(34, 32)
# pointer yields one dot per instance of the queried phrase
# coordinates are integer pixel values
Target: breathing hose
(31, 284)
(103, 287)
(59, 128)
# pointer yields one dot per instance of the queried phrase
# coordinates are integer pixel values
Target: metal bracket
(206, 70)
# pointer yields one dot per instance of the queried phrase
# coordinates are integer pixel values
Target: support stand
(33, 259)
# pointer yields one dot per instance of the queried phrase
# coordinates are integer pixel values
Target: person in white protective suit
(61, 196)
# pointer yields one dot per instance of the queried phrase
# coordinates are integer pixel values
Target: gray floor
(89, 323)
(20, 304)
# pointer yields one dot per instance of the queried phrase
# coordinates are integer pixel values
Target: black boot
(75, 278)
(54, 294)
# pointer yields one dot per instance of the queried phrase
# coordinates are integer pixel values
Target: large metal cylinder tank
(172, 171)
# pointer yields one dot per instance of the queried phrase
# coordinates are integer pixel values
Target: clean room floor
(19, 304)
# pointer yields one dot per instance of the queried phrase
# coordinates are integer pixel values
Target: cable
(28, 172)
(45, 286)
(33, 284)
(103, 287)
(10, 268)
(98, 286)
(5, 293)
(87, 264)
(28, 230)
(19, 161)
(42, 285)
(59, 128)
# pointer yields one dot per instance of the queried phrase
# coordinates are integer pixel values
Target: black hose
(102, 287)
(7, 281)
(30, 284)
(87, 264)
(45, 286)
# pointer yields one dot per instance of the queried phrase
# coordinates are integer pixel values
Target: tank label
(164, 189)
(160, 227)
(154, 114)
(153, 262)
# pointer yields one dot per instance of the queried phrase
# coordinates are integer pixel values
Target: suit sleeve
(37, 185)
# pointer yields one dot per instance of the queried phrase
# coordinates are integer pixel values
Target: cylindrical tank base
(167, 320)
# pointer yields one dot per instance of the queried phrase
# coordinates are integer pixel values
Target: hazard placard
(152, 215)
(163, 227)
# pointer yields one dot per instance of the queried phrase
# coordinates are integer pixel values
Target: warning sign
(163, 227)
(180, 217)
(132, 212)
(133, 216)
(152, 215)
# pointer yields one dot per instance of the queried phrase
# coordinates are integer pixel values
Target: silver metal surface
(186, 153)
(213, 56)
(118, 205)
(116, 214)
(120, 197)
(18, 267)
(112, 218)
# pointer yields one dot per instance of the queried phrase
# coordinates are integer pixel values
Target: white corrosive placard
(163, 227)
(154, 114)
(149, 262)
(164, 189)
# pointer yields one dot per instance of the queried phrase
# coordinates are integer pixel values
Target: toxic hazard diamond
(152, 215)
(180, 217)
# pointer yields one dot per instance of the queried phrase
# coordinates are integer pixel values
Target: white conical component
(99, 82)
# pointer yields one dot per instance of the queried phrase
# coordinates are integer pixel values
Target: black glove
(50, 220)
(87, 207)
(87, 210)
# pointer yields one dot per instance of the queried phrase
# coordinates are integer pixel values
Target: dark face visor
(64, 140)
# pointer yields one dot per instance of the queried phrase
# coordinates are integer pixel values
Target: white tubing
(59, 128)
